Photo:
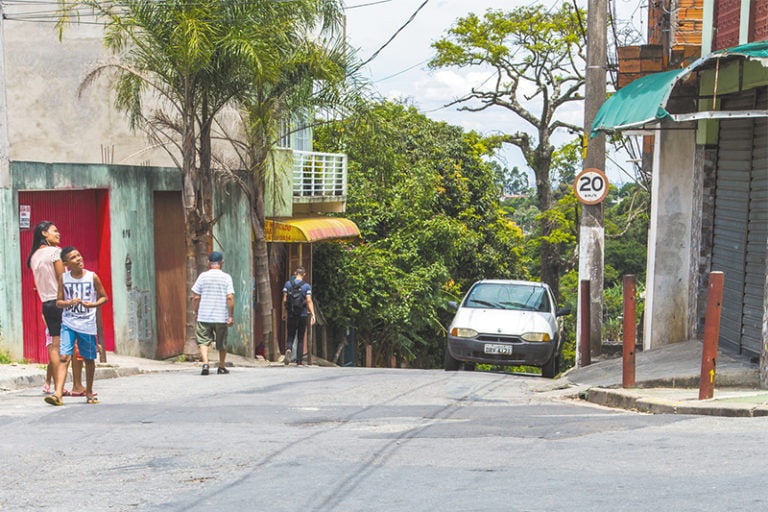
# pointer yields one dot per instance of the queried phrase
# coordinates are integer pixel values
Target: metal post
(711, 335)
(628, 347)
(310, 341)
(585, 358)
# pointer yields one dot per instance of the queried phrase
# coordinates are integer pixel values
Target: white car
(509, 323)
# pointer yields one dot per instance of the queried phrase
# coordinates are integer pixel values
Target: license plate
(491, 348)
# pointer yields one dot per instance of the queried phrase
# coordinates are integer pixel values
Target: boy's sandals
(80, 394)
(53, 400)
(92, 399)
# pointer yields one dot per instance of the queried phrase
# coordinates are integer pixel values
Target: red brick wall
(727, 19)
(758, 27)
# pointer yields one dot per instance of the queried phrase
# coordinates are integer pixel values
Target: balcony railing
(319, 175)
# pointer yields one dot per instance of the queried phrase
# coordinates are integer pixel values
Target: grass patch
(509, 369)
(6, 359)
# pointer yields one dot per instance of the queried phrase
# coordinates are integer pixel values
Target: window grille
(319, 174)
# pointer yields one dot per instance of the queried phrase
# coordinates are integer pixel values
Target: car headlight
(536, 336)
(462, 332)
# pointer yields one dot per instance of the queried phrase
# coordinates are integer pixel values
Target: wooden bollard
(711, 335)
(629, 337)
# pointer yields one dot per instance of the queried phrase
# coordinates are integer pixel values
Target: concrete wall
(47, 118)
(11, 341)
(131, 231)
(130, 200)
(672, 244)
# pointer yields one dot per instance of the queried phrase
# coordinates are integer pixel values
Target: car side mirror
(563, 311)
(453, 305)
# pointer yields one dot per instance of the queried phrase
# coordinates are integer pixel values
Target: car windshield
(508, 296)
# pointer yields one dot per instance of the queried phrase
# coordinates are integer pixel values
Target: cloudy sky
(400, 70)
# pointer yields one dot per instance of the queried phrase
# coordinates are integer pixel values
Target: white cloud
(445, 85)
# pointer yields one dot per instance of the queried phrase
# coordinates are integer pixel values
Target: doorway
(82, 217)
(170, 275)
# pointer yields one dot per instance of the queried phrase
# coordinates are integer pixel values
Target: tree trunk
(548, 252)
(195, 227)
(261, 262)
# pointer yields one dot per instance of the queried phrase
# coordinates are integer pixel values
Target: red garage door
(82, 217)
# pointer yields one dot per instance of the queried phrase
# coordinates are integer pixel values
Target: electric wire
(392, 38)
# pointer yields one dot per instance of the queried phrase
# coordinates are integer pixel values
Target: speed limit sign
(591, 186)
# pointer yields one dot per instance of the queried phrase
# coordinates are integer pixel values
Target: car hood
(504, 321)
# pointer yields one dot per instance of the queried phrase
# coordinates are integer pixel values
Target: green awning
(644, 101)
(638, 103)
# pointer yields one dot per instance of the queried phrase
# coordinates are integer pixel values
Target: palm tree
(192, 58)
(311, 65)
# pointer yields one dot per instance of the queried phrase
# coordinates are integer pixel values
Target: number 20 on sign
(591, 186)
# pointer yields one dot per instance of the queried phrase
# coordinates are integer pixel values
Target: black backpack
(296, 300)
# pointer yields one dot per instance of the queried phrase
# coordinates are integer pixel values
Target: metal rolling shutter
(741, 223)
(730, 222)
(757, 239)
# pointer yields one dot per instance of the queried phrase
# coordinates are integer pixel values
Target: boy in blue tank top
(80, 293)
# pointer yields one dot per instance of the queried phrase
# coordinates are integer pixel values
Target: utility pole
(591, 231)
(5, 165)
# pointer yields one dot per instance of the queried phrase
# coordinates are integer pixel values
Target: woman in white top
(46, 265)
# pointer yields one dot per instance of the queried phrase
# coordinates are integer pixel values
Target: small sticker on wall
(25, 216)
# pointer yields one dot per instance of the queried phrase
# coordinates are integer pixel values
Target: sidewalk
(667, 381)
(19, 376)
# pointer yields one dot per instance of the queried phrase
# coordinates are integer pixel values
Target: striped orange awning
(310, 229)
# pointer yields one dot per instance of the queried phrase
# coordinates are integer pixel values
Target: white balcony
(319, 177)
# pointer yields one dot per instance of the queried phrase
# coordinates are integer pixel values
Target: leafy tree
(512, 181)
(426, 201)
(537, 58)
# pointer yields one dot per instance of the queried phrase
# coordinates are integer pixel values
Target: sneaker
(287, 358)
(221, 370)
(205, 370)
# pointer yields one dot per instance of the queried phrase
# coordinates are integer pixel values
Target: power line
(367, 5)
(397, 32)
(401, 72)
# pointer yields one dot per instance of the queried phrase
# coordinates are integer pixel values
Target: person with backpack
(297, 306)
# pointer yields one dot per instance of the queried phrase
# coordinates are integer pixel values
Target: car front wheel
(450, 364)
(549, 370)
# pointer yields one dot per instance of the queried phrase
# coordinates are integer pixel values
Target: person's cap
(215, 257)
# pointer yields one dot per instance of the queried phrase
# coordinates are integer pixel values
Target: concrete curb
(37, 379)
(634, 400)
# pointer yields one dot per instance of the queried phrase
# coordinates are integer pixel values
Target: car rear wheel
(450, 364)
(549, 370)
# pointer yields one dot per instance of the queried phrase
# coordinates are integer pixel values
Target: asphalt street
(356, 439)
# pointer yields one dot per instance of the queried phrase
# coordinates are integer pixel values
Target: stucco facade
(50, 117)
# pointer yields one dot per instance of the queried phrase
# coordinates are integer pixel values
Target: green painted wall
(278, 186)
(131, 231)
(232, 236)
(11, 341)
(732, 77)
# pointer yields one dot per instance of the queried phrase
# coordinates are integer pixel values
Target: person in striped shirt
(213, 301)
